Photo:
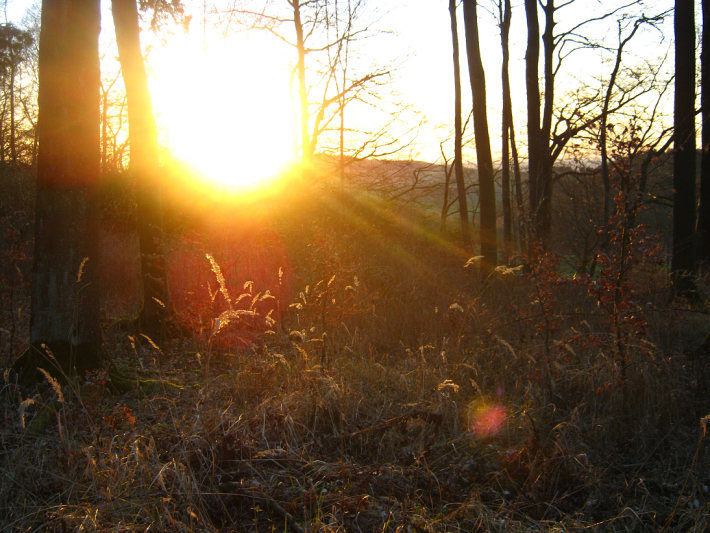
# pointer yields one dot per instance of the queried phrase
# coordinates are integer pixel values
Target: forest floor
(277, 443)
(374, 383)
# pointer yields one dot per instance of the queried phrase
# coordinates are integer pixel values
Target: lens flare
(486, 420)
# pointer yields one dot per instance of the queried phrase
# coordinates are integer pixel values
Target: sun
(225, 109)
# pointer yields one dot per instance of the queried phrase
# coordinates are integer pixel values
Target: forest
(354, 266)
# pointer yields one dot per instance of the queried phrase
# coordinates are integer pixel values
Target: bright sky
(222, 110)
(228, 108)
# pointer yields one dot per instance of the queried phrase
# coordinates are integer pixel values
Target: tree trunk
(535, 156)
(13, 134)
(65, 274)
(704, 222)
(104, 131)
(486, 178)
(445, 207)
(143, 141)
(458, 132)
(306, 148)
(505, 13)
(546, 162)
(520, 203)
(683, 262)
(2, 122)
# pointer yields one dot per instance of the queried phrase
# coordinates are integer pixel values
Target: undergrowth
(363, 378)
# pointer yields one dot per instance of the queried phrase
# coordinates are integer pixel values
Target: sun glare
(226, 110)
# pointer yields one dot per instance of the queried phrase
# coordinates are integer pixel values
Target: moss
(123, 383)
(43, 420)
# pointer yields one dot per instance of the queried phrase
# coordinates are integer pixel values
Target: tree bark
(65, 275)
(486, 178)
(458, 132)
(683, 262)
(704, 222)
(505, 14)
(143, 141)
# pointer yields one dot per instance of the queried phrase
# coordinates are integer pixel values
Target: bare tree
(486, 179)
(458, 134)
(322, 34)
(536, 143)
(548, 135)
(505, 13)
(611, 86)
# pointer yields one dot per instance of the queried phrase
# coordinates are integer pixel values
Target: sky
(231, 100)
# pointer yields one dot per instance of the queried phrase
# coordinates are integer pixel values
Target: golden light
(226, 109)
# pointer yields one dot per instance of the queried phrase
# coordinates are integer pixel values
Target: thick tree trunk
(143, 140)
(704, 222)
(683, 262)
(65, 275)
(486, 178)
(458, 132)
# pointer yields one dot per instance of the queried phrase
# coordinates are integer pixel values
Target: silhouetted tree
(551, 127)
(143, 139)
(704, 221)
(458, 135)
(486, 179)
(537, 144)
(604, 127)
(505, 14)
(322, 33)
(65, 274)
(683, 262)
(14, 46)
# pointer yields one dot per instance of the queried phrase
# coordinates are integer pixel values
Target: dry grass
(395, 392)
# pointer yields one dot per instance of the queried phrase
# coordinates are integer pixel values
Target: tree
(683, 262)
(548, 134)
(113, 104)
(458, 135)
(65, 306)
(604, 126)
(14, 46)
(322, 34)
(143, 140)
(31, 22)
(505, 14)
(486, 179)
(509, 149)
(537, 146)
(704, 214)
